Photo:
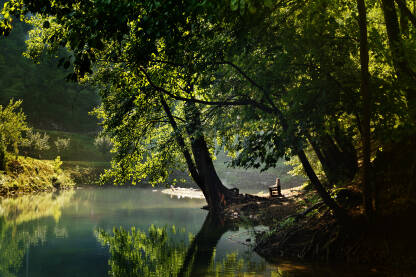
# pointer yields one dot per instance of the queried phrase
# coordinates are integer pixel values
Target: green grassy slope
(81, 147)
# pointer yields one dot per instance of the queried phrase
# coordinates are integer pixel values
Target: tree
(12, 125)
(366, 114)
(268, 81)
(150, 133)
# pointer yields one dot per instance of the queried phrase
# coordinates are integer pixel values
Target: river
(131, 232)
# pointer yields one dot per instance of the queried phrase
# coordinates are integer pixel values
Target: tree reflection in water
(16, 232)
(165, 252)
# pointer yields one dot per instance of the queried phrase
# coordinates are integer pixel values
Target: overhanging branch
(240, 102)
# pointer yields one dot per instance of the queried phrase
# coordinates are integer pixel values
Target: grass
(82, 162)
(26, 175)
(93, 164)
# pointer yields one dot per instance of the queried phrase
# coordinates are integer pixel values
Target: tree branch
(241, 102)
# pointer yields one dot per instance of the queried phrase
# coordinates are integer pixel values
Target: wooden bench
(273, 191)
(276, 190)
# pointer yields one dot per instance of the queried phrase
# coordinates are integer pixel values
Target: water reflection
(17, 230)
(30, 207)
(63, 234)
(165, 251)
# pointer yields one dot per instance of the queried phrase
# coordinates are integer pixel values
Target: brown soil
(260, 209)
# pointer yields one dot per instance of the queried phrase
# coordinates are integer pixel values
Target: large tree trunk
(217, 192)
(181, 143)
(201, 167)
(366, 111)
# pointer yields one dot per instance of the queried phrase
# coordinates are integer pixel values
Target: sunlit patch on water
(184, 193)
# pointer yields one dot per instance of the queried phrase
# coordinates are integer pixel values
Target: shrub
(103, 143)
(35, 142)
(62, 144)
(12, 125)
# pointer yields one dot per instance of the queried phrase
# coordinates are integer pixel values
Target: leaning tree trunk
(405, 12)
(202, 170)
(404, 20)
(181, 143)
(339, 160)
(339, 212)
(217, 192)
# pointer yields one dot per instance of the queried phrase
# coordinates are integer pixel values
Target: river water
(130, 232)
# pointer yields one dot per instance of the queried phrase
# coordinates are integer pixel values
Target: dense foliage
(327, 81)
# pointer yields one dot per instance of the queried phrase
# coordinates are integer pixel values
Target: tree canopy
(327, 81)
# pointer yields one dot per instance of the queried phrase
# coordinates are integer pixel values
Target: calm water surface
(129, 232)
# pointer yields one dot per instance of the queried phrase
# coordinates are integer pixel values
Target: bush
(103, 143)
(35, 142)
(62, 144)
(12, 125)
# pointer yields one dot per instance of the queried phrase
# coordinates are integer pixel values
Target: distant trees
(15, 134)
(50, 102)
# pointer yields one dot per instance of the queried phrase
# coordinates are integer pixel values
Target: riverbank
(260, 209)
(301, 227)
(25, 175)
